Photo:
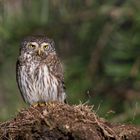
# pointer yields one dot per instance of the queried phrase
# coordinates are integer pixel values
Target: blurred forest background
(98, 42)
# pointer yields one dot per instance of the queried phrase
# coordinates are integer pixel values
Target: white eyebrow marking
(44, 43)
(33, 43)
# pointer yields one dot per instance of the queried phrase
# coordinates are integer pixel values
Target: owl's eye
(46, 46)
(32, 46)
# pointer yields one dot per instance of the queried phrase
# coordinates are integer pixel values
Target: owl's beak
(39, 52)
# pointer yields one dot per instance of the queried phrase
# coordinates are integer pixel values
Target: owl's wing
(18, 78)
(59, 73)
(57, 69)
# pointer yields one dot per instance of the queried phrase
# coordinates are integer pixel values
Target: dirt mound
(57, 121)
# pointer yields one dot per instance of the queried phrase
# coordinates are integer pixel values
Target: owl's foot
(38, 104)
(42, 104)
(34, 105)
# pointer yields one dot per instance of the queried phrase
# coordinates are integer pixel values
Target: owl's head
(37, 46)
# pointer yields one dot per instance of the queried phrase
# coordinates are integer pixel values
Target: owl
(39, 71)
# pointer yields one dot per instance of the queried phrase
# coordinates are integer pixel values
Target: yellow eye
(32, 46)
(46, 46)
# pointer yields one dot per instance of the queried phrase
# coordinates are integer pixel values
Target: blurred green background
(98, 42)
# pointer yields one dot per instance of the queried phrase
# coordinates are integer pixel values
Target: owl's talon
(35, 105)
(41, 104)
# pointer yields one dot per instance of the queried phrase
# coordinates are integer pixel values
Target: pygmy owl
(39, 72)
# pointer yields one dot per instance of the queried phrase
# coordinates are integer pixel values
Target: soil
(58, 121)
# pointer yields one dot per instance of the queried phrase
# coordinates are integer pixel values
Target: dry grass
(57, 121)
